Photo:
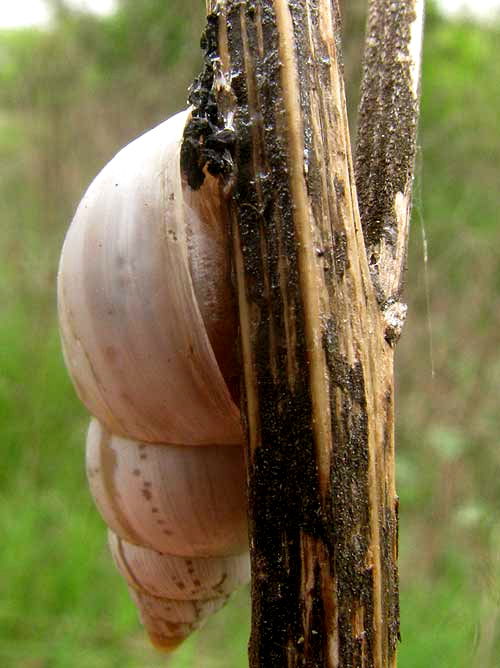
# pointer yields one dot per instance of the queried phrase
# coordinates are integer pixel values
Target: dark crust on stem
(283, 479)
(387, 125)
(208, 143)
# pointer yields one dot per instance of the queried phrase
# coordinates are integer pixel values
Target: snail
(148, 324)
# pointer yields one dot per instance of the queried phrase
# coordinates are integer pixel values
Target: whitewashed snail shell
(148, 326)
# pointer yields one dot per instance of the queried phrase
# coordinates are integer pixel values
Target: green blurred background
(70, 96)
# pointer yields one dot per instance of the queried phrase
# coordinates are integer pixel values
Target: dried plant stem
(316, 337)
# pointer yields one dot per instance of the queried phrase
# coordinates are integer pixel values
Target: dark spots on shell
(160, 522)
(146, 494)
(154, 510)
(147, 483)
(124, 396)
(197, 583)
(167, 532)
(136, 472)
(123, 282)
(143, 456)
(180, 585)
(173, 626)
(142, 446)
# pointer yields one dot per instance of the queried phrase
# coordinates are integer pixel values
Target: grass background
(69, 98)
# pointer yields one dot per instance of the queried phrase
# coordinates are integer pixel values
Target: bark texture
(316, 338)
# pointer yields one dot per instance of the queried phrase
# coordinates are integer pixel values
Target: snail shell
(148, 325)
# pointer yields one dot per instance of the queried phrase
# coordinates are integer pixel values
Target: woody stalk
(319, 249)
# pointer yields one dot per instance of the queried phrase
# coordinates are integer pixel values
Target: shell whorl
(148, 325)
(134, 334)
(175, 499)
